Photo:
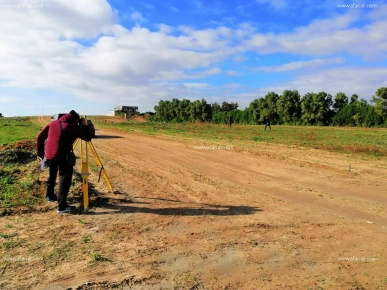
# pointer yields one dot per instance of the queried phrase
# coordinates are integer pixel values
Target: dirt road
(234, 217)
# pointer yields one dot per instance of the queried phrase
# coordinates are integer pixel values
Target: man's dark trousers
(65, 177)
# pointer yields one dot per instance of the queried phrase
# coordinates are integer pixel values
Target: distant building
(126, 109)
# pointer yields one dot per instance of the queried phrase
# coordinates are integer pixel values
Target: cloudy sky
(92, 55)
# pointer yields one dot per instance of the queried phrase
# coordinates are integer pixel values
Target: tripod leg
(100, 165)
(75, 143)
(85, 185)
(85, 175)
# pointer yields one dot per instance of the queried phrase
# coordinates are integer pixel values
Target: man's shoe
(52, 198)
(68, 208)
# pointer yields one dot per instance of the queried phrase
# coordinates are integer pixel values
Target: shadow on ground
(106, 137)
(123, 206)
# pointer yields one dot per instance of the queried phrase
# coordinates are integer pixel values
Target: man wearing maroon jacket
(60, 136)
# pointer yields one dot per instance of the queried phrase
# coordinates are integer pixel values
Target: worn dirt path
(263, 217)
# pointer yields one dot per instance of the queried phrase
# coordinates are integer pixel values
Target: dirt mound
(27, 145)
(139, 118)
(112, 120)
(16, 156)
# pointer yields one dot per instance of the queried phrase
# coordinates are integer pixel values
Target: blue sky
(92, 55)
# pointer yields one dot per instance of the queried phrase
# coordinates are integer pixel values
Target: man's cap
(74, 114)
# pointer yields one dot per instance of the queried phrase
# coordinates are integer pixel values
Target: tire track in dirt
(244, 170)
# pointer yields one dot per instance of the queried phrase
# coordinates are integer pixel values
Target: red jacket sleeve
(40, 141)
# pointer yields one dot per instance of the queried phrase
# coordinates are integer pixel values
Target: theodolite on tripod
(84, 156)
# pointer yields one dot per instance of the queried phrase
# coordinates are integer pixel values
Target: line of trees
(289, 108)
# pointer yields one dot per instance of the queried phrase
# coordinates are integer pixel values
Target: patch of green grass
(259, 138)
(18, 187)
(93, 167)
(6, 236)
(96, 257)
(10, 241)
(86, 239)
(53, 258)
(14, 130)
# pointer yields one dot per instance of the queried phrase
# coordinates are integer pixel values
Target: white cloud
(351, 80)
(196, 85)
(137, 18)
(6, 99)
(148, 6)
(279, 4)
(66, 18)
(298, 65)
(326, 37)
(232, 86)
(239, 58)
(165, 29)
(378, 13)
(233, 73)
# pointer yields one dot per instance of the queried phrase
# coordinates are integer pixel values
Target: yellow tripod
(84, 145)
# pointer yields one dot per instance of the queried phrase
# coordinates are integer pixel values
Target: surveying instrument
(84, 155)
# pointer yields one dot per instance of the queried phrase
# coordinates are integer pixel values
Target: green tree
(206, 111)
(255, 111)
(215, 107)
(183, 111)
(173, 109)
(200, 111)
(380, 100)
(316, 108)
(349, 115)
(369, 117)
(289, 107)
(227, 107)
(341, 100)
(354, 98)
(269, 108)
(161, 111)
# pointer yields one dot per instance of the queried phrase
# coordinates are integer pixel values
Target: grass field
(12, 130)
(371, 141)
(19, 171)
(365, 141)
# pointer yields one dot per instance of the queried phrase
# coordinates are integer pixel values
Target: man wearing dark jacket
(60, 136)
(267, 120)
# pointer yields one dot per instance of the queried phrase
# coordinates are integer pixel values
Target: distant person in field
(267, 121)
(229, 122)
(60, 136)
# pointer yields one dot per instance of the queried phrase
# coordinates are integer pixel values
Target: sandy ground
(186, 217)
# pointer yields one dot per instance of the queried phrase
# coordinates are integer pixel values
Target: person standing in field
(60, 136)
(267, 121)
